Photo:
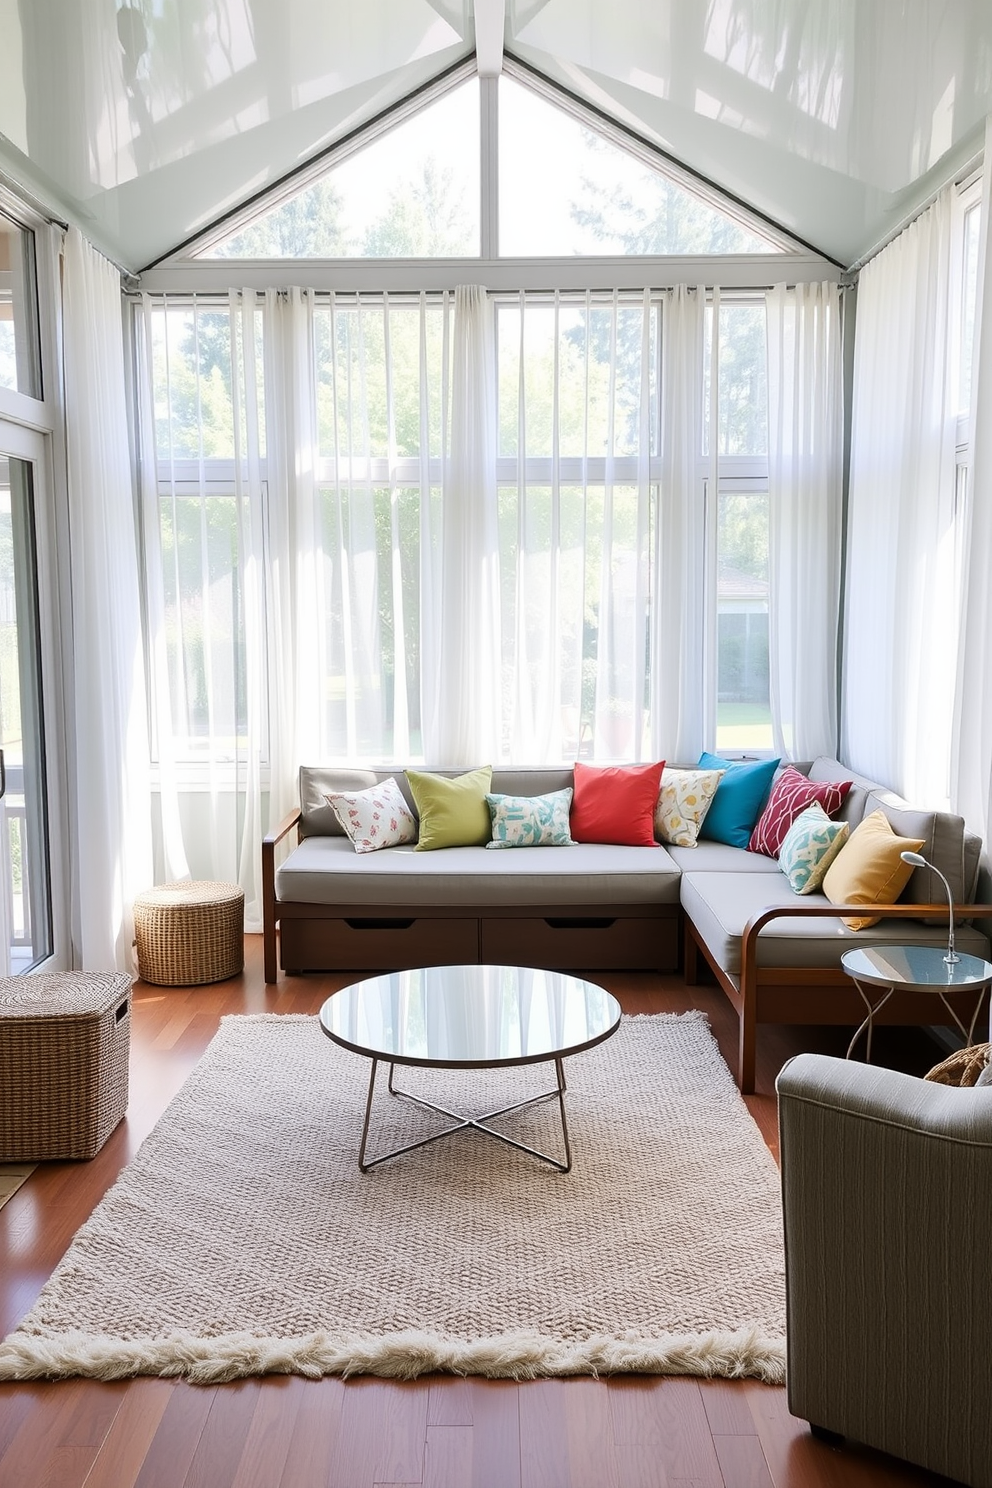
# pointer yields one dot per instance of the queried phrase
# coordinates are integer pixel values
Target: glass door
(26, 898)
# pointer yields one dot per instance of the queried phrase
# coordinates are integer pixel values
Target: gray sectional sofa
(591, 907)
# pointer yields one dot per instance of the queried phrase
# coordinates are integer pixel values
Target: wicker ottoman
(64, 1044)
(190, 933)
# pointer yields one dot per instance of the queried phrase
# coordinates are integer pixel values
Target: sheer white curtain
(900, 613)
(203, 493)
(678, 670)
(462, 726)
(112, 851)
(578, 429)
(971, 758)
(805, 494)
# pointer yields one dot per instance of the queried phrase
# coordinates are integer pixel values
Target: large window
(577, 480)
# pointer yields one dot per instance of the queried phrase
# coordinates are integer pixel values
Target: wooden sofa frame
(324, 937)
(779, 994)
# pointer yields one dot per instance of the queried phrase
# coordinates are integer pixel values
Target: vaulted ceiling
(144, 120)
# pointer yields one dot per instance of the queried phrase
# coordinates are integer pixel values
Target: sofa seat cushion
(327, 870)
(719, 857)
(721, 904)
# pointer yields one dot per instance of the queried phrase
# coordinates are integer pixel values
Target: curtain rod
(957, 179)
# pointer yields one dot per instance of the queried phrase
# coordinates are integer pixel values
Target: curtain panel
(111, 799)
(900, 623)
(805, 490)
(971, 756)
(456, 528)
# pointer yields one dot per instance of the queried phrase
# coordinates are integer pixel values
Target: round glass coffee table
(914, 969)
(470, 1017)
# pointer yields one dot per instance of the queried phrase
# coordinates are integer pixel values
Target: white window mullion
(489, 166)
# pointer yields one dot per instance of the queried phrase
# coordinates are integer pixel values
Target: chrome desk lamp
(919, 861)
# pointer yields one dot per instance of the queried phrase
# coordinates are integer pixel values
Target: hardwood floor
(438, 1432)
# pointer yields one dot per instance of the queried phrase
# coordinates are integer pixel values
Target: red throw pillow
(615, 803)
(791, 793)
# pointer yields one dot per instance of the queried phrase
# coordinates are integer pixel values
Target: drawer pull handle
(579, 922)
(380, 924)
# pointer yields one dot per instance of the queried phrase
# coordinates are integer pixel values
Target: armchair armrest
(869, 1093)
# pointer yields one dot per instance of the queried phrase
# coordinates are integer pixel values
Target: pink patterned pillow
(790, 794)
(374, 818)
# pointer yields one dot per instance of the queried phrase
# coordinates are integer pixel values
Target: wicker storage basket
(64, 1044)
(190, 933)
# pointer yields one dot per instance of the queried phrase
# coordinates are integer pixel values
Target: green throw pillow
(453, 813)
(810, 846)
(531, 821)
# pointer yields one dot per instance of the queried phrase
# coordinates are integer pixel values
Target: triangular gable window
(566, 188)
(591, 196)
(411, 193)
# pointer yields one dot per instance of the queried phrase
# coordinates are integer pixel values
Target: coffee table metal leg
(363, 1165)
(475, 1123)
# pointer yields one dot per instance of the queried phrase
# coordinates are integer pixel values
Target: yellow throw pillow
(868, 869)
(453, 813)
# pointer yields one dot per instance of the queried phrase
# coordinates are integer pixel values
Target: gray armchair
(887, 1191)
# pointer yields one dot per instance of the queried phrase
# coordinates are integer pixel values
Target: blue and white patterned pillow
(810, 846)
(531, 821)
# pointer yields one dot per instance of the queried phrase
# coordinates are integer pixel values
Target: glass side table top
(478, 1017)
(922, 968)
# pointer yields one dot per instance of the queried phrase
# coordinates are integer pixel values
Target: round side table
(190, 933)
(913, 969)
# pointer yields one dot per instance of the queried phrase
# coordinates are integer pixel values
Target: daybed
(592, 906)
(775, 954)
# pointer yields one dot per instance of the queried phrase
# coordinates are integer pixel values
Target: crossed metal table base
(469, 1123)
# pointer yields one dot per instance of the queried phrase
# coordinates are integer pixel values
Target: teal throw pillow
(739, 798)
(810, 846)
(531, 821)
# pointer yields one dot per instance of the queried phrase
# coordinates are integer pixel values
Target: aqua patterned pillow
(810, 846)
(531, 821)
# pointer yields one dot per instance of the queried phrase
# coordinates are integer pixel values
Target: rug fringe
(405, 1355)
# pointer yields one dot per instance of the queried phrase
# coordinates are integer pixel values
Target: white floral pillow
(374, 818)
(531, 821)
(684, 799)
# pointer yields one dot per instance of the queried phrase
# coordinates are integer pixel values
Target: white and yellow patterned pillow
(810, 846)
(683, 802)
(374, 818)
(531, 821)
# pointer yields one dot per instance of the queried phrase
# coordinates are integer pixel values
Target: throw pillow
(868, 868)
(810, 846)
(453, 812)
(738, 800)
(683, 801)
(615, 803)
(531, 821)
(963, 1067)
(374, 818)
(791, 793)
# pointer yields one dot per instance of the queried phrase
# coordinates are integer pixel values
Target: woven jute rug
(242, 1239)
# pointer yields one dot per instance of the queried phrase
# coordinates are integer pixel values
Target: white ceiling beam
(489, 19)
